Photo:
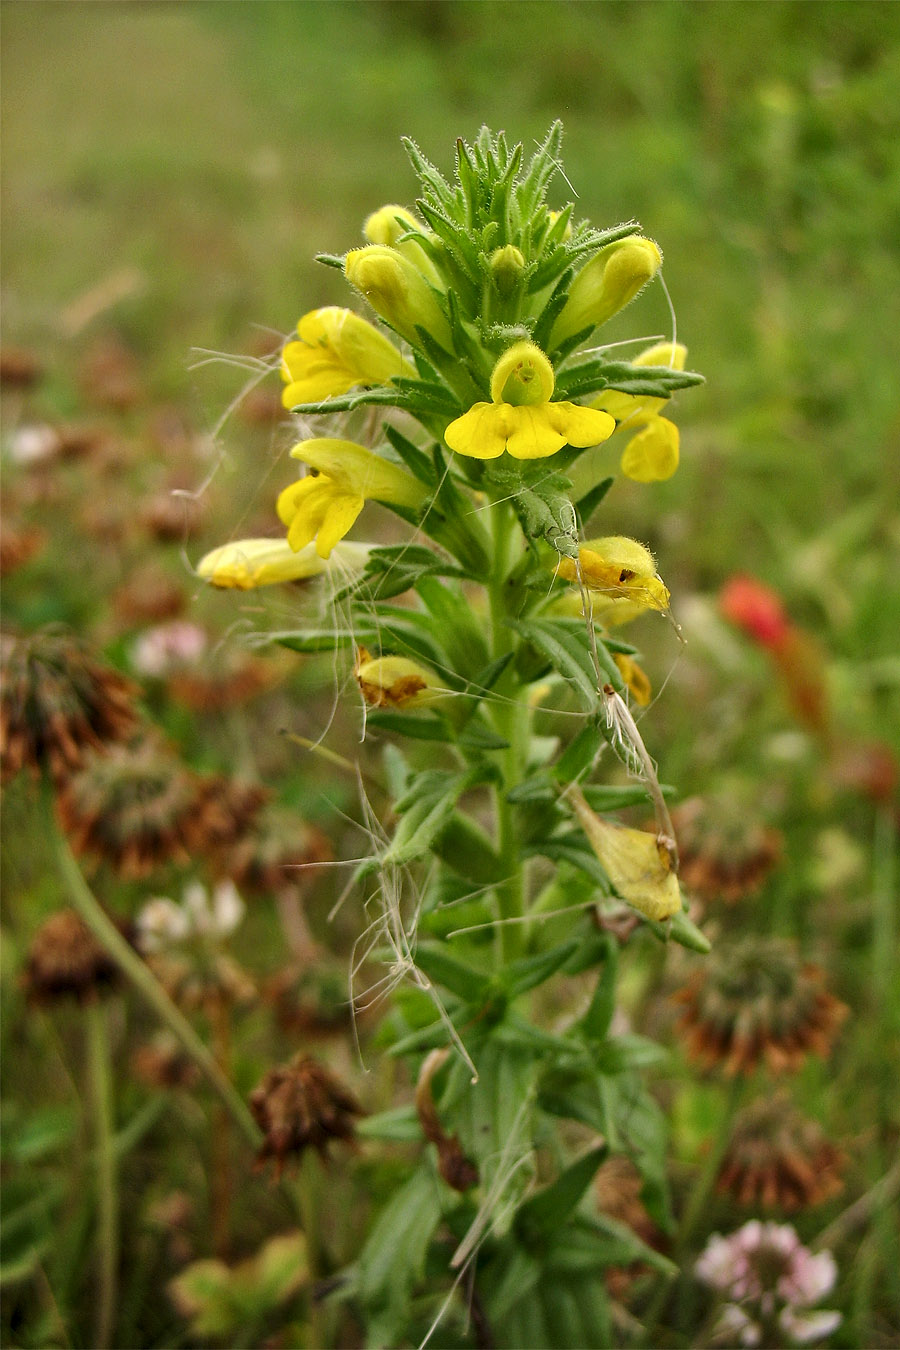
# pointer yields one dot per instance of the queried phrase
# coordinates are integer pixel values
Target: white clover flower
(767, 1275)
(162, 923)
(167, 647)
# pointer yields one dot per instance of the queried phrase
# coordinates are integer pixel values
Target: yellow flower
(638, 864)
(605, 285)
(652, 455)
(636, 679)
(521, 419)
(324, 505)
(618, 568)
(397, 290)
(246, 564)
(336, 351)
(396, 682)
(387, 225)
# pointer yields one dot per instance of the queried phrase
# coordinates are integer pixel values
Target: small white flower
(162, 923)
(167, 647)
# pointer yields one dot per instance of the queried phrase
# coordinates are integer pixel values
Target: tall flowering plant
(487, 652)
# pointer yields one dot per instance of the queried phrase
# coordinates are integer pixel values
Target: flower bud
(617, 567)
(396, 682)
(507, 266)
(386, 227)
(605, 285)
(523, 375)
(246, 564)
(396, 289)
(638, 864)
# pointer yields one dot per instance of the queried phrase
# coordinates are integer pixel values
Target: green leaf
(618, 1054)
(393, 1259)
(595, 1023)
(443, 969)
(545, 1213)
(425, 810)
(580, 753)
(418, 726)
(530, 972)
(573, 848)
(464, 846)
(457, 627)
(564, 643)
(586, 506)
(392, 570)
(399, 1125)
(417, 461)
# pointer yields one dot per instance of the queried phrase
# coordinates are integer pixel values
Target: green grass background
(215, 147)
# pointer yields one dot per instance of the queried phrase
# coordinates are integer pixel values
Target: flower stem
(131, 965)
(106, 1172)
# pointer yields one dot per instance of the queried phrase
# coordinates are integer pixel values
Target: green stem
(131, 965)
(307, 1200)
(884, 917)
(106, 1172)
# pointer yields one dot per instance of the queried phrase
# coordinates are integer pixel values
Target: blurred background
(169, 172)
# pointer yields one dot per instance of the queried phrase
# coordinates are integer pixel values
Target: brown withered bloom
(617, 1190)
(18, 545)
(65, 960)
(778, 1158)
(163, 1063)
(149, 595)
(301, 1105)
(223, 677)
(309, 1002)
(279, 851)
(457, 1170)
(57, 703)
(170, 515)
(19, 368)
(227, 812)
(756, 1002)
(726, 854)
(135, 807)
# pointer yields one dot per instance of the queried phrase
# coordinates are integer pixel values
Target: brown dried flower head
(279, 853)
(149, 595)
(57, 703)
(301, 1105)
(778, 1158)
(617, 1188)
(136, 808)
(223, 677)
(163, 1063)
(67, 961)
(227, 811)
(725, 853)
(18, 545)
(755, 1002)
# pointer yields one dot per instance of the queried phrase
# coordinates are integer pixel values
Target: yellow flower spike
(605, 285)
(386, 225)
(636, 679)
(246, 564)
(336, 351)
(396, 682)
(324, 505)
(618, 567)
(652, 455)
(396, 289)
(521, 419)
(638, 864)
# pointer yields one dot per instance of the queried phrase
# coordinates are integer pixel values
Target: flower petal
(652, 455)
(479, 433)
(582, 426)
(339, 517)
(532, 434)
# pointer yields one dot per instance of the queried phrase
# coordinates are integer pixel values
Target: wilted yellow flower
(246, 564)
(652, 455)
(396, 682)
(521, 418)
(396, 289)
(324, 505)
(605, 285)
(638, 864)
(618, 568)
(635, 677)
(336, 351)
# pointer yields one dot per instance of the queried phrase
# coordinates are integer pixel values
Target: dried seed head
(780, 1159)
(18, 545)
(756, 1002)
(135, 807)
(57, 703)
(279, 852)
(301, 1105)
(67, 961)
(725, 853)
(222, 677)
